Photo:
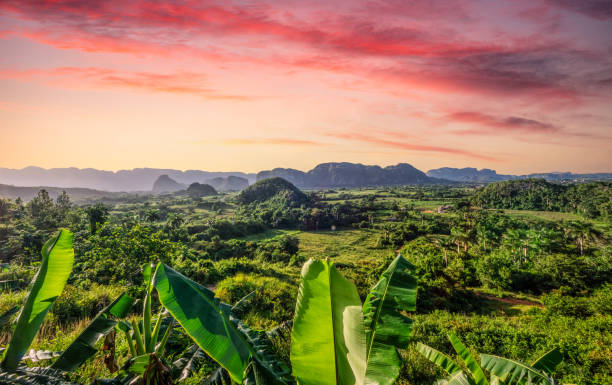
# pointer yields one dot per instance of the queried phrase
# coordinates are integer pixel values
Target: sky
(518, 86)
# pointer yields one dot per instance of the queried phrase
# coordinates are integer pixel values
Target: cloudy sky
(518, 86)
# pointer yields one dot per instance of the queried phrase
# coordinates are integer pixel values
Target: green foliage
(591, 200)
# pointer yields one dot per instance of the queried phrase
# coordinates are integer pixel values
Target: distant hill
(76, 194)
(272, 188)
(468, 174)
(485, 175)
(196, 190)
(230, 183)
(349, 175)
(138, 179)
(165, 184)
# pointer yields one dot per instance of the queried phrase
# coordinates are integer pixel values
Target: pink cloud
(502, 124)
(174, 83)
(409, 146)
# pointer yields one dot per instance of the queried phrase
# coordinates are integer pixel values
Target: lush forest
(508, 283)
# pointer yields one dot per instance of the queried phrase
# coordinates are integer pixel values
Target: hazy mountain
(138, 179)
(468, 174)
(485, 175)
(349, 175)
(296, 177)
(165, 184)
(230, 183)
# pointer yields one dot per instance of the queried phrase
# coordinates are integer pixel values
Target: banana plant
(48, 284)
(337, 341)
(245, 354)
(457, 376)
(503, 371)
(515, 372)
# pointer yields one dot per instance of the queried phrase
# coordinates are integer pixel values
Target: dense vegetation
(511, 283)
(591, 200)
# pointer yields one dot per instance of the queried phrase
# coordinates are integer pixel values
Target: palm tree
(581, 232)
(460, 237)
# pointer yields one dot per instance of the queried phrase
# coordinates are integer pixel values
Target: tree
(152, 215)
(581, 232)
(41, 210)
(97, 215)
(460, 237)
(62, 206)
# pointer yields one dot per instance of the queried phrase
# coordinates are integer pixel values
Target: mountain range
(138, 179)
(349, 175)
(92, 182)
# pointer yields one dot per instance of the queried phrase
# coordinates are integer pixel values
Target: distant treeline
(592, 200)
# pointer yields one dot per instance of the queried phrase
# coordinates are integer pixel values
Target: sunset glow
(518, 86)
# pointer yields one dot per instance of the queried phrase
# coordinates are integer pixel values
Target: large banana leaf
(198, 311)
(511, 371)
(385, 326)
(549, 361)
(57, 260)
(438, 358)
(83, 346)
(469, 360)
(328, 337)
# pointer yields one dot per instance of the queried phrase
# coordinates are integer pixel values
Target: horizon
(517, 87)
(479, 169)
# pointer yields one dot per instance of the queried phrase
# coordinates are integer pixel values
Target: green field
(509, 282)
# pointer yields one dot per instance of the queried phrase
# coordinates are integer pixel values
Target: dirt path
(512, 301)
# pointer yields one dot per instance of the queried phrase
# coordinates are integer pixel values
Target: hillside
(346, 174)
(591, 200)
(196, 190)
(272, 188)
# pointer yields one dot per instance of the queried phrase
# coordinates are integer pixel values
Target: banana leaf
(549, 361)
(266, 368)
(469, 360)
(328, 337)
(438, 358)
(34, 376)
(49, 282)
(200, 314)
(511, 371)
(458, 378)
(386, 327)
(218, 376)
(188, 363)
(83, 347)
